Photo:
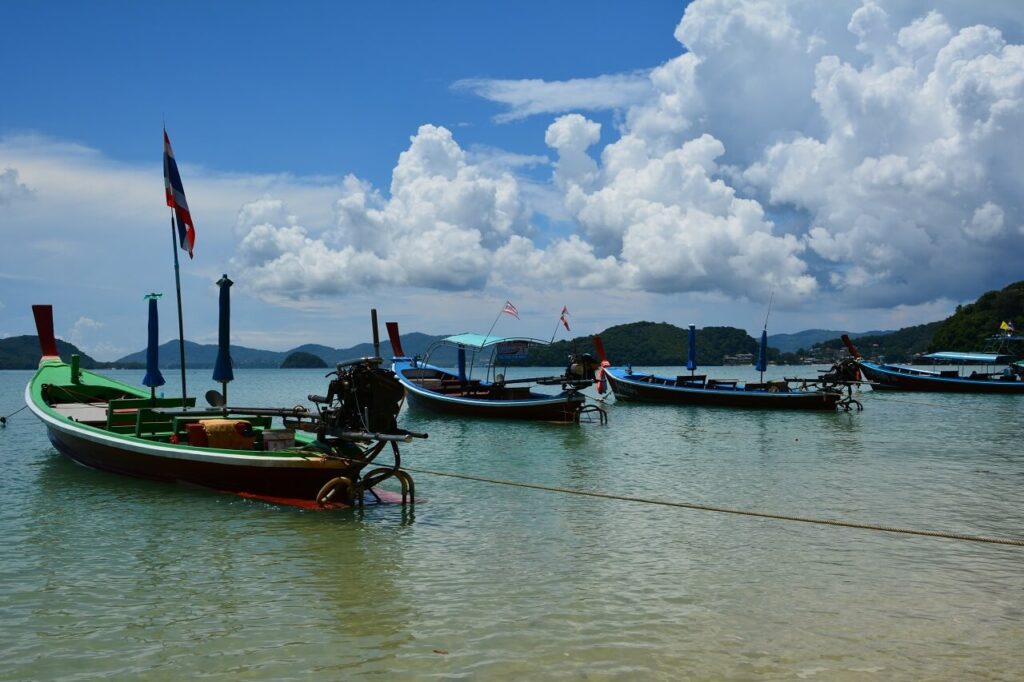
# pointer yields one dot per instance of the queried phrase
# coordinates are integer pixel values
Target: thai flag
(176, 199)
(564, 318)
(510, 309)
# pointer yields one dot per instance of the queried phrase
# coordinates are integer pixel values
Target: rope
(1016, 542)
(3, 420)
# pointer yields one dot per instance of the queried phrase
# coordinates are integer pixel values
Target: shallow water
(106, 576)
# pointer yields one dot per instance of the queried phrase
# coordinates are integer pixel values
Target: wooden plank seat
(93, 414)
(121, 412)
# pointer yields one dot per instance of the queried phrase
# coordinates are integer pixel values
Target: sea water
(104, 576)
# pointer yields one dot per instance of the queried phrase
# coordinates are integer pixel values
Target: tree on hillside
(972, 324)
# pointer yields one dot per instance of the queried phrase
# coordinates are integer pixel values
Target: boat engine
(362, 398)
(582, 368)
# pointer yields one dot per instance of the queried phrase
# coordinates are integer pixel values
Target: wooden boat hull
(563, 408)
(898, 378)
(286, 474)
(650, 389)
(290, 482)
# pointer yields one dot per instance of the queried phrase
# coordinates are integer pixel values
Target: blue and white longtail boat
(1000, 373)
(457, 392)
(696, 389)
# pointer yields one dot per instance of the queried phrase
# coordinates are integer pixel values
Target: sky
(853, 164)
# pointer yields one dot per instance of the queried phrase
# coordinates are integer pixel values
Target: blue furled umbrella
(153, 376)
(691, 355)
(222, 368)
(762, 353)
(462, 363)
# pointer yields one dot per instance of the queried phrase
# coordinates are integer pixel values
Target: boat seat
(714, 383)
(150, 422)
(122, 411)
(684, 379)
(93, 414)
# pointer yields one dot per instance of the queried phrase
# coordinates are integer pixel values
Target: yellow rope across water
(1015, 542)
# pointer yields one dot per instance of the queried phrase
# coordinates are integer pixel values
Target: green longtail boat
(314, 458)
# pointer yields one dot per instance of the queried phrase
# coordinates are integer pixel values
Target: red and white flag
(176, 199)
(510, 309)
(564, 318)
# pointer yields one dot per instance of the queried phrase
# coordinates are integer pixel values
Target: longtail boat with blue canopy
(998, 369)
(321, 458)
(494, 396)
(823, 393)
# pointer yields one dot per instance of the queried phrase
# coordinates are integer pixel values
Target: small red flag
(564, 318)
(510, 309)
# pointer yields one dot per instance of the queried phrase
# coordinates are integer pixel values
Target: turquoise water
(106, 576)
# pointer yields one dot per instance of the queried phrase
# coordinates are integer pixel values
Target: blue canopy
(981, 358)
(691, 352)
(762, 352)
(153, 376)
(480, 341)
(222, 368)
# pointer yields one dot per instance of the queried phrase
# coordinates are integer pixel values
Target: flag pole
(181, 323)
(493, 324)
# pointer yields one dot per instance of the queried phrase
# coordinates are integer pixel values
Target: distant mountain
(641, 343)
(790, 343)
(203, 356)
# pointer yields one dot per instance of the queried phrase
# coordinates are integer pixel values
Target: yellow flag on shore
(1005, 327)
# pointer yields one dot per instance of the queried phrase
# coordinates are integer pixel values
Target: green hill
(971, 324)
(22, 352)
(654, 343)
(965, 330)
(302, 360)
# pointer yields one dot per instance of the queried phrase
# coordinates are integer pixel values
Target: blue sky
(860, 159)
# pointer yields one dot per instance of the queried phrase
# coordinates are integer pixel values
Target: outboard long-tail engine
(581, 367)
(363, 397)
(361, 409)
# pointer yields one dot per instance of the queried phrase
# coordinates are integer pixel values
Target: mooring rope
(3, 420)
(1016, 542)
